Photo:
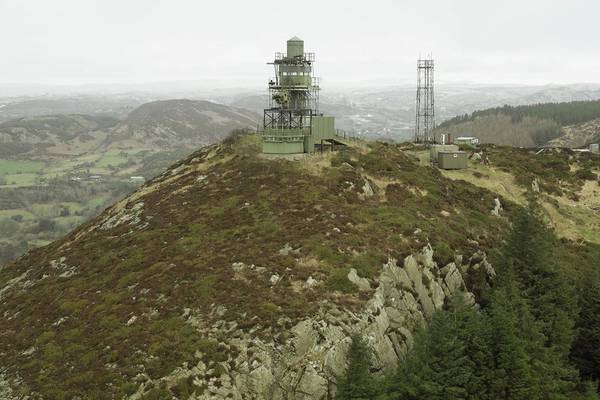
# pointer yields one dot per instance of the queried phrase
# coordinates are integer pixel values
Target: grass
(12, 167)
(26, 214)
(21, 179)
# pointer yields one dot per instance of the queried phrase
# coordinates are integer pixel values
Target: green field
(59, 203)
(8, 167)
(20, 180)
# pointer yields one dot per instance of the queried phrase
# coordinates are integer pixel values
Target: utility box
(452, 160)
(436, 148)
(595, 148)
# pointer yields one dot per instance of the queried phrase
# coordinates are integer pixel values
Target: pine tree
(515, 337)
(586, 348)
(439, 366)
(552, 299)
(549, 299)
(358, 383)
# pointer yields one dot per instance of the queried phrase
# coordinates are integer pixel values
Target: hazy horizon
(69, 42)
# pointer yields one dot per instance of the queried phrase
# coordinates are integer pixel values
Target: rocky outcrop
(304, 362)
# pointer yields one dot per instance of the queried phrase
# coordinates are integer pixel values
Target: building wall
(290, 141)
(322, 128)
(452, 160)
(436, 148)
(283, 141)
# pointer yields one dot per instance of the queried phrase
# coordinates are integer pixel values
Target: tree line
(563, 114)
(533, 338)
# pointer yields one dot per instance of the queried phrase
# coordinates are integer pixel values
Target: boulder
(362, 283)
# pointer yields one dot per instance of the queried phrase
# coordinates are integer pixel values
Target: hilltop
(235, 275)
(180, 123)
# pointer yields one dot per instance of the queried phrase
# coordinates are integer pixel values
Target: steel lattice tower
(425, 118)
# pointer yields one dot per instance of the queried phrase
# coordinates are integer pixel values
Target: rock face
(305, 364)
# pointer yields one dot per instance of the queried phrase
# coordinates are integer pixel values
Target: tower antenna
(425, 107)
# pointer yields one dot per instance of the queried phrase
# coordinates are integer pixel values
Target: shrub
(338, 280)
(442, 253)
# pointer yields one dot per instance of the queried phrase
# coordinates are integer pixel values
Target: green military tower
(292, 123)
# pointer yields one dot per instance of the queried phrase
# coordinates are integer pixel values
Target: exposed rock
(367, 190)
(425, 257)
(310, 282)
(125, 215)
(286, 250)
(497, 207)
(274, 279)
(452, 278)
(361, 283)
(305, 365)
(8, 388)
(535, 186)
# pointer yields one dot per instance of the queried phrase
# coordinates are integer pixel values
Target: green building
(452, 160)
(292, 123)
(436, 148)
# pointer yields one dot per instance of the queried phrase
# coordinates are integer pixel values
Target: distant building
(594, 148)
(466, 140)
(137, 179)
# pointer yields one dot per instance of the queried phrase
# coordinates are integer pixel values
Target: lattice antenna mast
(425, 107)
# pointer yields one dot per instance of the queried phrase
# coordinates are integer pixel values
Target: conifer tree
(515, 337)
(358, 383)
(552, 299)
(586, 348)
(440, 366)
(549, 300)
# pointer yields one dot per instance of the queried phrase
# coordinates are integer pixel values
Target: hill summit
(181, 123)
(239, 275)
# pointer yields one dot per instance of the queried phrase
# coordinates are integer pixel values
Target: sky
(356, 42)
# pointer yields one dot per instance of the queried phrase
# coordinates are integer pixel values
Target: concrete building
(292, 123)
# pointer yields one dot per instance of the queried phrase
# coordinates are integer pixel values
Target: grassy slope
(223, 205)
(568, 182)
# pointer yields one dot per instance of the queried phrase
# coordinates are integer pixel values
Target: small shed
(452, 160)
(436, 148)
(595, 148)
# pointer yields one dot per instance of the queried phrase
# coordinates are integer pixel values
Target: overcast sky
(136, 41)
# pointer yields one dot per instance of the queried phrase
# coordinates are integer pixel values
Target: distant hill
(164, 125)
(567, 124)
(51, 133)
(115, 106)
(180, 123)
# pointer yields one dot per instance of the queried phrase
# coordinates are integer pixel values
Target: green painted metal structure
(292, 123)
(452, 160)
(436, 148)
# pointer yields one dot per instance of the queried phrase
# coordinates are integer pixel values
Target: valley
(58, 171)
